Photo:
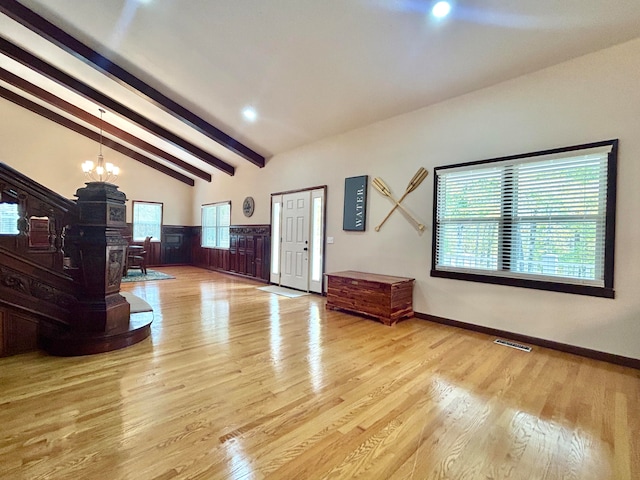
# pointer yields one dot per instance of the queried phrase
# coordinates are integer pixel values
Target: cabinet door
(242, 255)
(171, 249)
(259, 257)
(233, 250)
(251, 266)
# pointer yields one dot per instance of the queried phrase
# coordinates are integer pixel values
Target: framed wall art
(355, 203)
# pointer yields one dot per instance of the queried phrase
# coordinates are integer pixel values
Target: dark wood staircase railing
(36, 203)
(59, 287)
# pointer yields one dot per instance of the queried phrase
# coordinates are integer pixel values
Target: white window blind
(216, 219)
(147, 221)
(541, 218)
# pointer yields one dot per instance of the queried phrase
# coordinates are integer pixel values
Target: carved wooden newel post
(101, 320)
(102, 249)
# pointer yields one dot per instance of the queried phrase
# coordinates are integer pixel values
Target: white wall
(592, 98)
(52, 154)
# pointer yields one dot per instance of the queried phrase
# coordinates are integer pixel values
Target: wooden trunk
(384, 297)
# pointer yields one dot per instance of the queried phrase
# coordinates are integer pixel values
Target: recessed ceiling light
(250, 114)
(441, 9)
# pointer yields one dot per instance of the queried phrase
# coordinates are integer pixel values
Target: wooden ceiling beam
(38, 65)
(71, 125)
(87, 55)
(77, 112)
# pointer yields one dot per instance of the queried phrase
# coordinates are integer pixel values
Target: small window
(9, 219)
(147, 221)
(541, 220)
(216, 219)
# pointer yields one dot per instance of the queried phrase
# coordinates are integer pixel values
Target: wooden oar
(379, 185)
(417, 179)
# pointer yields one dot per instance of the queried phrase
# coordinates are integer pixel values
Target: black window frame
(607, 291)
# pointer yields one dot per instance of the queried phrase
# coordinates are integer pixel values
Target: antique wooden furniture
(35, 286)
(248, 247)
(249, 252)
(101, 320)
(137, 256)
(175, 246)
(384, 297)
(59, 288)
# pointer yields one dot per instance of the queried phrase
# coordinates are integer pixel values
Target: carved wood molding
(250, 230)
(36, 200)
(33, 287)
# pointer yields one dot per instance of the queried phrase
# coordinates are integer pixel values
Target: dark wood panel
(248, 254)
(18, 332)
(259, 259)
(176, 245)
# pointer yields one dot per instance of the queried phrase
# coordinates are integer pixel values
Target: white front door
(294, 259)
(297, 239)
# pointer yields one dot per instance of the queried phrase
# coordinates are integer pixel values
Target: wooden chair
(137, 256)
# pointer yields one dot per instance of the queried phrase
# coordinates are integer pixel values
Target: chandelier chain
(100, 172)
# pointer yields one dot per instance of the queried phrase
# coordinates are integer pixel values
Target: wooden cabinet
(244, 253)
(249, 252)
(384, 297)
(261, 261)
(176, 245)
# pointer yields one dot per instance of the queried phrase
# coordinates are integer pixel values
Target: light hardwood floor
(238, 383)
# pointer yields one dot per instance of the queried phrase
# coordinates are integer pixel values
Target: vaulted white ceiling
(311, 68)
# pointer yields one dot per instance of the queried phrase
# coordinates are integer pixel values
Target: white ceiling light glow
(441, 9)
(250, 114)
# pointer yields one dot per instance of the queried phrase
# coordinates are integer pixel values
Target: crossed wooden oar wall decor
(417, 179)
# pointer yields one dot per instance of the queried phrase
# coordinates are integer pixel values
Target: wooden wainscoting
(249, 252)
(174, 248)
(176, 245)
(18, 331)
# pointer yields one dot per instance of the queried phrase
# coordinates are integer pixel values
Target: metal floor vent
(517, 346)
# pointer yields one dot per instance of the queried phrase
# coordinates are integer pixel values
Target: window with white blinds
(216, 220)
(541, 220)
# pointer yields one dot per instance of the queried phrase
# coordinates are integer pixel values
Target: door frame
(324, 234)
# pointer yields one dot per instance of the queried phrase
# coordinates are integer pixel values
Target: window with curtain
(541, 220)
(216, 219)
(147, 221)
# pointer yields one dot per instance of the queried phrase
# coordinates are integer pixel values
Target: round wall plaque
(248, 206)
